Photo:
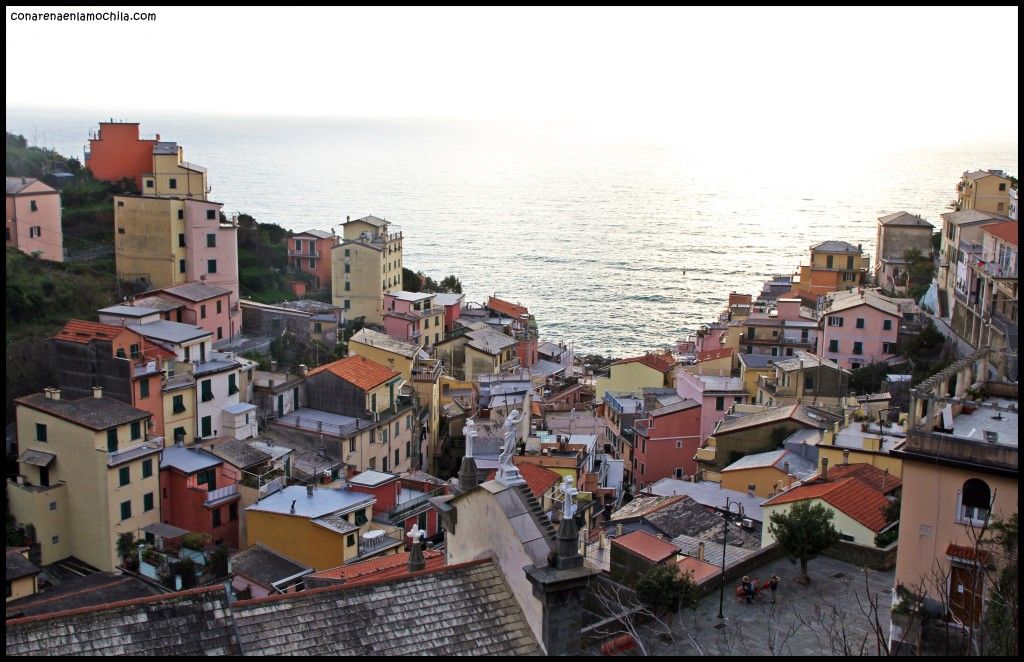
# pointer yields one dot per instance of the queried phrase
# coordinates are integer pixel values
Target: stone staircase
(536, 511)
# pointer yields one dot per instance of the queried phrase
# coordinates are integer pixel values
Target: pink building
(310, 251)
(667, 439)
(198, 494)
(203, 304)
(858, 327)
(716, 395)
(33, 218)
(212, 246)
(712, 337)
(413, 317)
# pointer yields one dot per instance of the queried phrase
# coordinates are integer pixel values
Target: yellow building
(766, 474)
(21, 574)
(713, 362)
(87, 473)
(834, 266)
(632, 374)
(172, 176)
(321, 528)
(984, 190)
(365, 265)
(753, 366)
(179, 397)
(860, 443)
(480, 350)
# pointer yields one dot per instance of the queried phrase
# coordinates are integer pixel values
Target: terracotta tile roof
(713, 354)
(358, 370)
(539, 479)
(643, 544)
(391, 566)
(857, 499)
(83, 332)
(659, 362)
(1005, 231)
(867, 473)
(701, 570)
(969, 553)
(513, 310)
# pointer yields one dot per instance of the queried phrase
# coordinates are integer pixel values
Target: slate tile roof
(903, 218)
(643, 544)
(90, 412)
(196, 291)
(796, 413)
(18, 566)
(265, 566)
(643, 505)
(358, 370)
(465, 609)
(196, 622)
(387, 343)
(684, 516)
(97, 589)
(239, 454)
(834, 246)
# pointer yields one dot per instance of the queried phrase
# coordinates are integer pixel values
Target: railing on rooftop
(643, 426)
(374, 545)
(221, 494)
(405, 509)
(428, 370)
(131, 452)
(767, 384)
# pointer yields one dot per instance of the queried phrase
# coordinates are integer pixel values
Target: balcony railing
(408, 508)
(298, 253)
(427, 371)
(643, 426)
(132, 452)
(769, 385)
(369, 547)
(221, 495)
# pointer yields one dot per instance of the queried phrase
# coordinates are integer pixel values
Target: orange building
(116, 151)
(310, 251)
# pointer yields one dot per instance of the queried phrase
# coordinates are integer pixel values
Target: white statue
(568, 493)
(508, 475)
(470, 433)
(416, 534)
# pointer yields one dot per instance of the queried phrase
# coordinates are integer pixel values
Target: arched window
(975, 499)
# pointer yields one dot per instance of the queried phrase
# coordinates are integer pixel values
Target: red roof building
(359, 371)
(539, 479)
(645, 545)
(660, 362)
(392, 566)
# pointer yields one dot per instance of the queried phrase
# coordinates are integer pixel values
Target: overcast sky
(875, 74)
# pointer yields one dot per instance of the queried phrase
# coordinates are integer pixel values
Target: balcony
(149, 446)
(643, 426)
(409, 508)
(769, 385)
(509, 365)
(376, 540)
(428, 370)
(294, 253)
(221, 495)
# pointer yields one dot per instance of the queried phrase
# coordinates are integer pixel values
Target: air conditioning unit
(748, 523)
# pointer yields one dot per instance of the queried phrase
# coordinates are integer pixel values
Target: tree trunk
(803, 571)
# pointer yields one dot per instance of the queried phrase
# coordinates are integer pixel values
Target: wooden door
(965, 589)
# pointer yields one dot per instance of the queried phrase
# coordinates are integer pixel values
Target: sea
(616, 245)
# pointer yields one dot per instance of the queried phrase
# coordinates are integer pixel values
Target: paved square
(826, 617)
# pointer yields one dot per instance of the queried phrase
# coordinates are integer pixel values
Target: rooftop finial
(568, 494)
(416, 560)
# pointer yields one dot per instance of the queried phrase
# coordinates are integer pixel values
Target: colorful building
(116, 152)
(21, 574)
(310, 252)
(789, 328)
(199, 494)
(321, 527)
(364, 266)
(717, 362)
(632, 374)
(205, 305)
(960, 241)
(858, 327)
(766, 474)
(477, 350)
(834, 266)
(666, 439)
(87, 472)
(33, 218)
(898, 233)
(985, 191)
(803, 378)
(413, 317)
(523, 328)
(452, 304)
(863, 442)
(716, 394)
(752, 368)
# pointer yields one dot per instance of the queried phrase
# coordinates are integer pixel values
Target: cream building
(366, 264)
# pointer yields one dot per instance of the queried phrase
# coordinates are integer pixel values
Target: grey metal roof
(265, 566)
(163, 530)
(173, 332)
(197, 290)
(36, 458)
(319, 234)
(188, 460)
(214, 365)
(796, 413)
(129, 311)
(467, 609)
(708, 494)
(448, 298)
(240, 408)
(489, 341)
(801, 360)
(336, 523)
(18, 566)
(165, 147)
(405, 295)
(239, 454)
(833, 246)
(682, 405)
(93, 413)
(157, 303)
(904, 218)
(371, 478)
(971, 216)
(798, 466)
(16, 184)
(323, 502)
(383, 341)
(186, 623)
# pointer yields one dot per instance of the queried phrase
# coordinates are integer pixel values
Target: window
(202, 311)
(211, 240)
(828, 261)
(207, 385)
(854, 365)
(33, 206)
(835, 321)
(398, 428)
(860, 323)
(219, 307)
(181, 214)
(1002, 187)
(408, 448)
(220, 333)
(136, 429)
(312, 263)
(373, 463)
(35, 231)
(149, 183)
(179, 404)
(361, 516)
(849, 262)
(181, 266)
(426, 322)
(207, 477)
(679, 443)
(216, 516)
(179, 433)
(126, 510)
(398, 457)
(112, 440)
(207, 424)
(172, 183)
(348, 304)
(886, 325)
(720, 403)
(147, 468)
(181, 240)
(975, 499)
(275, 323)
(44, 478)
(124, 476)
(642, 469)
(233, 512)
(775, 351)
(54, 540)
(348, 268)
(53, 505)
(348, 286)
(352, 445)
(144, 389)
(833, 345)
(888, 348)
(120, 203)
(318, 327)
(350, 540)
(808, 383)
(232, 386)
(147, 502)
(858, 348)
(40, 432)
(211, 266)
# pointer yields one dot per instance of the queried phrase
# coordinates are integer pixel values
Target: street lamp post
(725, 542)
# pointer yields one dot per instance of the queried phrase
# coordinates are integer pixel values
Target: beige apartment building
(364, 266)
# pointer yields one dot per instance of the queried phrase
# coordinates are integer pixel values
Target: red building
(452, 303)
(310, 251)
(199, 494)
(116, 151)
(667, 439)
(402, 500)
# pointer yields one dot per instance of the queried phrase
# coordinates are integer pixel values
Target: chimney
(700, 551)
(97, 392)
(785, 467)
(292, 509)
(846, 457)
(55, 394)
(309, 491)
(348, 218)
(303, 369)
(158, 137)
(270, 383)
(48, 392)
(824, 468)
(273, 365)
(618, 530)
(750, 489)
(416, 560)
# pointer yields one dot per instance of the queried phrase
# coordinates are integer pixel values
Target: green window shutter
(126, 510)
(124, 476)
(147, 468)
(112, 440)
(147, 502)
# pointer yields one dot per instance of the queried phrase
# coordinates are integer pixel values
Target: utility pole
(725, 542)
